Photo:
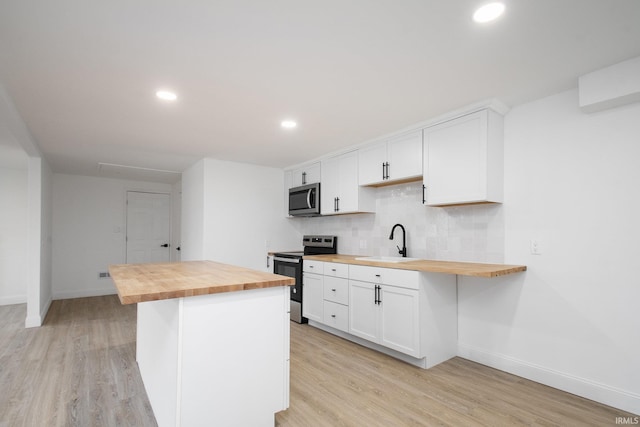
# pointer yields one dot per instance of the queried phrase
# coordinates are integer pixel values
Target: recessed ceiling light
(288, 124)
(166, 95)
(488, 12)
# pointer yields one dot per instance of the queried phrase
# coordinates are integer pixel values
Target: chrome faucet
(402, 251)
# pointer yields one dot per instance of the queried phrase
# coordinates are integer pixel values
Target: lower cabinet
(387, 315)
(336, 315)
(312, 290)
(410, 312)
(336, 296)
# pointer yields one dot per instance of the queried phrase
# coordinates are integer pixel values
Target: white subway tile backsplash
(458, 233)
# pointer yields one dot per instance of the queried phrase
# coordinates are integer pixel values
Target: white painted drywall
(192, 213)
(89, 224)
(39, 249)
(571, 321)
(234, 211)
(13, 234)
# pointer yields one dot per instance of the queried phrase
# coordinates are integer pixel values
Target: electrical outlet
(103, 275)
(535, 247)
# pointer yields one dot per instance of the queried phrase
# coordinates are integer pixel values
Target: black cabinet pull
(304, 178)
(333, 315)
(383, 171)
(386, 174)
(423, 190)
(166, 245)
(376, 295)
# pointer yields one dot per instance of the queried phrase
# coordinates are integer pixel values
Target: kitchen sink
(386, 259)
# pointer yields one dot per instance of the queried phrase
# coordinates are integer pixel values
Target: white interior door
(148, 227)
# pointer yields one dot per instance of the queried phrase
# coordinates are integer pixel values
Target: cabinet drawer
(336, 269)
(336, 289)
(336, 315)
(388, 276)
(313, 266)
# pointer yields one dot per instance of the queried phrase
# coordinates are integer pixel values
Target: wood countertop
(151, 282)
(449, 267)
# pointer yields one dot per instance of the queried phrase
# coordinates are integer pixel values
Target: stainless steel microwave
(305, 200)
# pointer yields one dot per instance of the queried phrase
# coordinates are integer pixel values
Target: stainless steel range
(290, 264)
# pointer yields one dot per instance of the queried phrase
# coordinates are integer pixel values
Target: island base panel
(216, 359)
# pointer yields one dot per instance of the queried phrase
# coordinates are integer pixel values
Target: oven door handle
(289, 260)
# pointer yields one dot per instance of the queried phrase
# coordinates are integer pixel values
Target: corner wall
(39, 250)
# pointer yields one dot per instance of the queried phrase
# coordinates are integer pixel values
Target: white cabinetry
(408, 314)
(463, 160)
(312, 290)
(384, 307)
(396, 160)
(336, 296)
(340, 192)
(307, 174)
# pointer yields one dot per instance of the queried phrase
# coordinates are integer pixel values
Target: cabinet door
(312, 300)
(329, 187)
(405, 156)
(399, 320)
(363, 318)
(463, 160)
(348, 182)
(307, 174)
(370, 163)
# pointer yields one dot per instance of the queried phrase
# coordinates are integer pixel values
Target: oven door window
(285, 269)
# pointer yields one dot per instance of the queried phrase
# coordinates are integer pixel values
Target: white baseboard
(82, 293)
(602, 393)
(16, 299)
(36, 321)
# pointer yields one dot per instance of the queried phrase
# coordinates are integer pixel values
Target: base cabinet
(312, 290)
(409, 314)
(385, 314)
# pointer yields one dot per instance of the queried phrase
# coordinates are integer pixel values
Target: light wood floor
(79, 370)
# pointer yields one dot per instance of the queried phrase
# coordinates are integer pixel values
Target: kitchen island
(212, 341)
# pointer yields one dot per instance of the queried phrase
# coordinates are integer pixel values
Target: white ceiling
(83, 74)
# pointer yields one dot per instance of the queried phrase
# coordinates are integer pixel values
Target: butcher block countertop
(151, 282)
(449, 267)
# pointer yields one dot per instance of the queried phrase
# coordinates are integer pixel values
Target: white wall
(176, 221)
(89, 215)
(234, 210)
(39, 250)
(571, 321)
(192, 224)
(13, 233)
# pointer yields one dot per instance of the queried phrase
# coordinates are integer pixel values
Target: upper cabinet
(463, 160)
(307, 174)
(396, 160)
(339, 190)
